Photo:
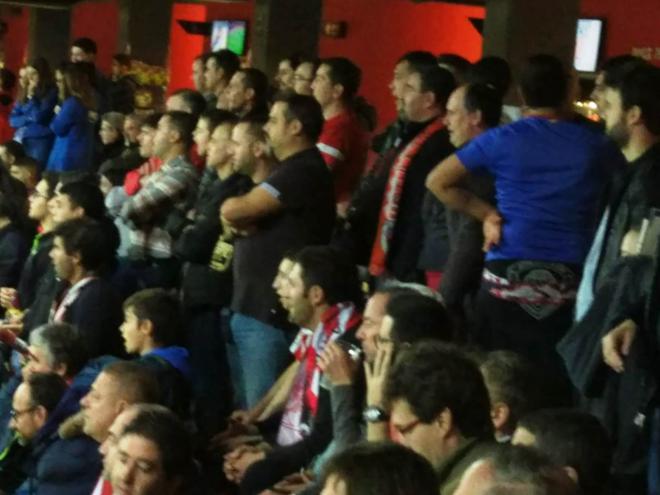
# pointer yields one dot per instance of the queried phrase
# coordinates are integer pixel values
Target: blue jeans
(257, 354)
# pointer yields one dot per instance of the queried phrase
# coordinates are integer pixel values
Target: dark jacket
(623, 402)
(97, 314)
(356, 233)
(435, 247)
(121, 94)
(107, 152)
(53, 465)
(203, 286)
(281, 461)
(462, 274)
(408, 231)
(14, 250)
(35, 267)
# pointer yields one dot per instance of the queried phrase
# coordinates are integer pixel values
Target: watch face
(374, 414)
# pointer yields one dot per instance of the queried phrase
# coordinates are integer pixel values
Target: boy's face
(132, 333)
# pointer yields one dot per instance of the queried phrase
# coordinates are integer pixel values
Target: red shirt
(344, 144)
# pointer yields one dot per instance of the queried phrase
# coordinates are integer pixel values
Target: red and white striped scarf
(392, 197)
(302, 404)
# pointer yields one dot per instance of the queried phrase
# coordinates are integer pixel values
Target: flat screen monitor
(588, 43)
(229, 35)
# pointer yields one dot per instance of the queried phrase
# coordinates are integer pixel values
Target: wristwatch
(374, 414)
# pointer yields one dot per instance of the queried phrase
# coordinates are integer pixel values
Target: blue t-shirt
(549, 180)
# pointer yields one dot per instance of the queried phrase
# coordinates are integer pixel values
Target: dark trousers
(504, 325)
(210, 371)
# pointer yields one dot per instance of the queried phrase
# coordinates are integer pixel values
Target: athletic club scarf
(302, 404)
(390, 206)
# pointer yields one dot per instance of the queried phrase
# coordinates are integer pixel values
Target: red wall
(184, 47)
(380, 31)
(99, 21)
(631, 24)
(15, 41)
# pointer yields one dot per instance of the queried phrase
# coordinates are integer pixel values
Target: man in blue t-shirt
(550, 175)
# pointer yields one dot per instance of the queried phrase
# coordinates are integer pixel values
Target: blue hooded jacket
(74, 138)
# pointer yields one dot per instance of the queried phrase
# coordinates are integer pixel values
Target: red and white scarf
(302, 405)
(392, 197)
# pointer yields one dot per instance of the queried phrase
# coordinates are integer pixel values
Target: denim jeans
(257, 354)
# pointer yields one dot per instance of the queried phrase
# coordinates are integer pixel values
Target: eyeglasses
(404, 430)
(298, 77)
(15, 414)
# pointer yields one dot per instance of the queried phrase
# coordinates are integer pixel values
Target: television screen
(229, 35)
(587, 44)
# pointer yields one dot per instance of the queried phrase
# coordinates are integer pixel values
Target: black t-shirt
(303, 184)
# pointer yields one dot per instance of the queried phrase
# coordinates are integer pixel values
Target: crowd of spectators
(254, 291)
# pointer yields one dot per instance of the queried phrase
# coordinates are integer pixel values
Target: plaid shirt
(166, 193)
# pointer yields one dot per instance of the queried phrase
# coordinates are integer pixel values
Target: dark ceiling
(65, 4)
(50, 4)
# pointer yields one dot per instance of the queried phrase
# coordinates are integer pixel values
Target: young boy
(152, 322)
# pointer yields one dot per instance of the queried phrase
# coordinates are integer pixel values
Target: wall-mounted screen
(588, 43)
(229, 35)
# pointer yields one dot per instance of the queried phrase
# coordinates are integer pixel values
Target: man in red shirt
(344, 141)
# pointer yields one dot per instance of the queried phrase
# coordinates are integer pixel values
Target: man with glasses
(303, 77)
(440, 409)
(48, 463)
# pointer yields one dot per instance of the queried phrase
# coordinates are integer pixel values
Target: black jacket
(408, 232)
(35, 267)
(623, 402)
(14, 250)
(97, 314)
(203, 286)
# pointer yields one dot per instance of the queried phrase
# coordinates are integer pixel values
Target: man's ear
(41, 414)
(316, 295)
(337, 91)
(77, 258)
(250, 94)
(475, 118)
(146, 327)
(296, 127)
(259, 149)
(61, 370)
(500, 415)
(445, 422)
(634, 115)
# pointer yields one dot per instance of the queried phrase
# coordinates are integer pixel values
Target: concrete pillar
(283, 27)
(49, 34)
(516, 29)
(144, 29)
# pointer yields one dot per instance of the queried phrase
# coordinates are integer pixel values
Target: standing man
(294, 207)
(344, 141)
(220, 67)
(550, 175)
(157, 211)
(400, 232)
(85, 50)
(631, 107)
(471, 110)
